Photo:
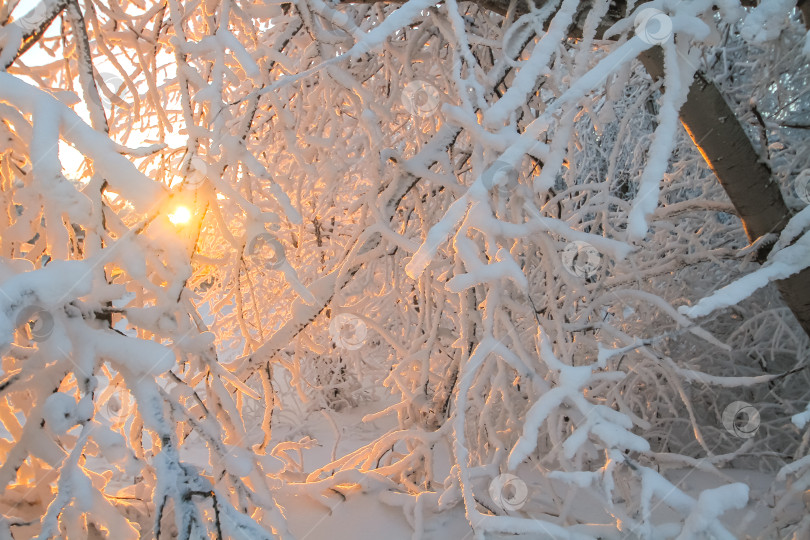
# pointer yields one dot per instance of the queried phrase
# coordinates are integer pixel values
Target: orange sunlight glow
(180, 216)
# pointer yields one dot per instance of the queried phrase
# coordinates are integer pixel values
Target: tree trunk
(717, 133)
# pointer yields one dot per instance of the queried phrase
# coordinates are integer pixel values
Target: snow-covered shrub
(485, 223)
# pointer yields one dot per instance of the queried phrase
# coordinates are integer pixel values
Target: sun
(180, 216)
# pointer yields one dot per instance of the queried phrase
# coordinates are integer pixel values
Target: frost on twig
(483, 223)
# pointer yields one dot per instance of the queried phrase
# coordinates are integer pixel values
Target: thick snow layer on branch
(138, 356)
(537, 65)
(801, 419)
(780, 265)
(436, 236)
(702, 514)
(610, 426)
(59, 412)
(767, 20)
(370, 182)
(678, 77)
(711, 504)
(124, 178)
(46, 288)
(405, 15)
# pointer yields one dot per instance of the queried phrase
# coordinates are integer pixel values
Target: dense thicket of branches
(493, 220)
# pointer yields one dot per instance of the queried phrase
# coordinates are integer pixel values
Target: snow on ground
(366, 516)
(362, 515)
